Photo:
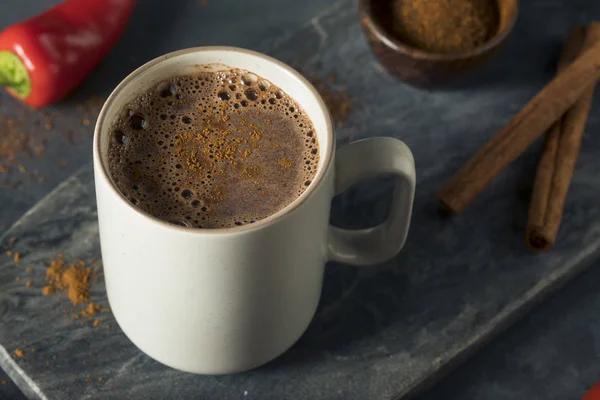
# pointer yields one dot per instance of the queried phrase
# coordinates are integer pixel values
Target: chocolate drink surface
(213, 150)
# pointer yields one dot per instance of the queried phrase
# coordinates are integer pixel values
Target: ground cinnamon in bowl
(444, 26)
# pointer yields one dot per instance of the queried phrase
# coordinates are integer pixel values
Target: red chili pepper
(46, 57)
(593, 393)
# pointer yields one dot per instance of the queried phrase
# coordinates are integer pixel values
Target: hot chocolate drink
(213, 150)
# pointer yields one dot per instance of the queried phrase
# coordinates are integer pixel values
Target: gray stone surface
(552, 354)
(380, 332)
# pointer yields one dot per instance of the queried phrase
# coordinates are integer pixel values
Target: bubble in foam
(249, 79)
(120, 137)
(186, 193)
(251, 94)
(224, 95)
(264, 85)
(138, 121)
(180, 222)
(165, 89)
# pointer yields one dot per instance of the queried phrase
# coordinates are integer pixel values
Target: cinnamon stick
(527, 126)
(546, 165)
(559, 155)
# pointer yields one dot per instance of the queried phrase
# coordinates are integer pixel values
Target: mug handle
(364, 159)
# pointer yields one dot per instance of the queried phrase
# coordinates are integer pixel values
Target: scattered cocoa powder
(91, 309)
(335, 96)
(338, 103)
(220, 143)
(13, 143)
(89, 109)
(73, 278)
(28, 283)
(28, 269)
(21, 140)
(284, 162)
(96, 323)
(48, 290)
(250, 172)
(19, 353)
(4, 382)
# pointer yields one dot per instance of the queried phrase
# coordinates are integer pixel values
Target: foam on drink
(213, 150)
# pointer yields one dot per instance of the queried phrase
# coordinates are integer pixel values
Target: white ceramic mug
(216, 301)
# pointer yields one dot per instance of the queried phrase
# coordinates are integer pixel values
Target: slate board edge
(18, 376)
(12, 369)
(513, 311)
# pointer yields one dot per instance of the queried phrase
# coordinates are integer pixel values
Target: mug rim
(101, 168)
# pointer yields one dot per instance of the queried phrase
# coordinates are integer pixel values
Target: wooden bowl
(421, 68)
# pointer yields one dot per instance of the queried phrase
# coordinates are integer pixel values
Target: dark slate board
(380, 332)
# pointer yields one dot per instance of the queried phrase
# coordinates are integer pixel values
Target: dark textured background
(550, 355)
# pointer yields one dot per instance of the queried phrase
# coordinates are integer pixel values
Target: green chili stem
(14, 75)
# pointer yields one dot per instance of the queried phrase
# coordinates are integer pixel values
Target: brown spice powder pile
(445, 26)
(74, 279)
